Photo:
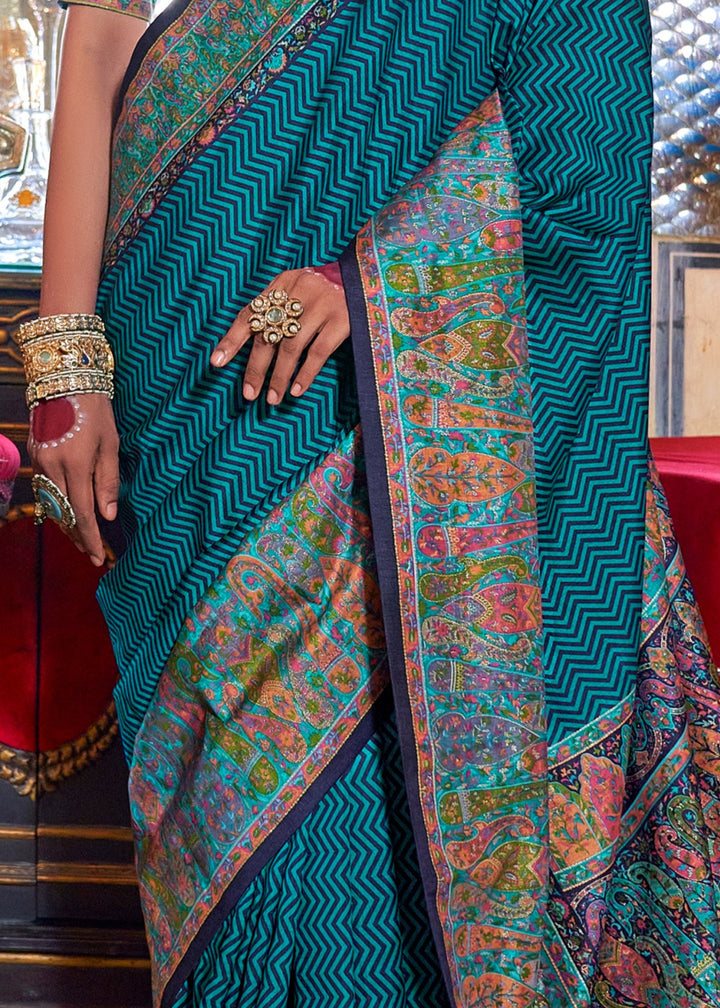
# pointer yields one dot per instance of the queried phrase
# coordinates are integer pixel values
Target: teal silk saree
(417, 701)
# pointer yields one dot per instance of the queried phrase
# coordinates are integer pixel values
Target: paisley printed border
(631, 801)
(615, 787)
(481, 525)
(635, 817)
(240, 73)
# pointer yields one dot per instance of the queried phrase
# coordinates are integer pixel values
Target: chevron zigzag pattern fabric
(365, 911)
(216, 235)
(559, 785)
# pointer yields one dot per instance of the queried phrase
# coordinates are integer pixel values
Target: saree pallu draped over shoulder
(456, 521)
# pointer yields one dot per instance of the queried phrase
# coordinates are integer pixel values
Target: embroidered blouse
(136, 8)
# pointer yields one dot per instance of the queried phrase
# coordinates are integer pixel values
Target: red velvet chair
(57, 670)
(70, 923)
(690, 472)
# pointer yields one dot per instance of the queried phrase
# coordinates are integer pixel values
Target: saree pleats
(269, 692)
(337, 919)
(485, 553)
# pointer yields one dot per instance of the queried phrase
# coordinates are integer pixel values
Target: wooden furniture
(71, 930)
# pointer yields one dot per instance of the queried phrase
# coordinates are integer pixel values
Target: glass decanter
(28, 42)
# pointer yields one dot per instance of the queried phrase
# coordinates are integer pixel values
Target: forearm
(96, 51)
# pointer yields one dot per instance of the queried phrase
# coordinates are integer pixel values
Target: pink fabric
(9, 465)
(9, 460)
(690, 472)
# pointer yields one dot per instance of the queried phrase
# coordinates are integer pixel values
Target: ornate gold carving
(14, 310)
(13, 140)
(19, 768)
(33, 774)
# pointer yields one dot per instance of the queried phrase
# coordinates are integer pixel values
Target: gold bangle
(65, 355)
(69, 383)
(47, 355)
(50, 325)
(77, 351)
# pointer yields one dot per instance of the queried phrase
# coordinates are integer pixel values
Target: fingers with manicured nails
(84, 467)
(80, 493)
(239, 332)
(234, 339)
(289, 351)
(326, 343)
(331, 333)
(107, 480)
(324, 326)
(286, 361)
(259, 361)
(48, 462)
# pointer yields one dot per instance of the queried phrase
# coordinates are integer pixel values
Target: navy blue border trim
(382, 524)
(336, 768)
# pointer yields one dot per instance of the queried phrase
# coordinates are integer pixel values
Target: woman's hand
(96, 50)
(324, 326)
(73, 441)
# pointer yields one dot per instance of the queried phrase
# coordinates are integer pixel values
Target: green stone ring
(51, 502)
(275, 316)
